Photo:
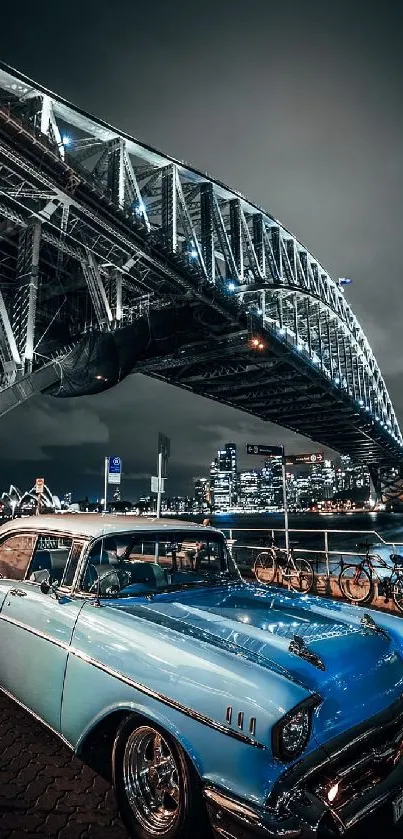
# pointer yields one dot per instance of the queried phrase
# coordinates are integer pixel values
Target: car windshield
(142, 562)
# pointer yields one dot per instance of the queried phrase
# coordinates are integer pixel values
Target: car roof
(97, 524)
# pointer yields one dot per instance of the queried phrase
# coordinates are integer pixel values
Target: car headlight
(292, 733)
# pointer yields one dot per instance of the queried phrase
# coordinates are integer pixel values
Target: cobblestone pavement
(46, 793)
(44, 790)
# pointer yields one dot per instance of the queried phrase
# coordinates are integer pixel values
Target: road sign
(114, 470)
(155, 485)
(310, 459)
(264, 451)
(39, 485)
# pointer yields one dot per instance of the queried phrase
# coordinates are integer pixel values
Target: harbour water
(334, 534)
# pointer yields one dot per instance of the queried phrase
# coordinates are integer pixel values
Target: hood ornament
(368, 622)
(299, 647)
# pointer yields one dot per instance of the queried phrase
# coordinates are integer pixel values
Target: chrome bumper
(366, 762)
(233, 819)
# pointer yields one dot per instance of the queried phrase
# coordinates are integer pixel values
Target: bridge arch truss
(98, 229)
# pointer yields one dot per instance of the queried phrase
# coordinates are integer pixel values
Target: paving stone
(46, 792)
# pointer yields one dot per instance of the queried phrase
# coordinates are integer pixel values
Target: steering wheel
(121, 580)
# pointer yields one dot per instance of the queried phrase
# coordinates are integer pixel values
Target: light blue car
(215, 706)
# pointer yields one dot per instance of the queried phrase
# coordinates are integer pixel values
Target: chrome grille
(360, 766)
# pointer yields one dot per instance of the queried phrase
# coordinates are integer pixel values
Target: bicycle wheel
(301, 576)
(397, 592)
(356, 584)
(265, 567)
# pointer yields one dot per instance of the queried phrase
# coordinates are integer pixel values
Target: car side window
(50, 558)
(72, 564)
(15, 555)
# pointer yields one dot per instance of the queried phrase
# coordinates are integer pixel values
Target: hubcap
(151, 780)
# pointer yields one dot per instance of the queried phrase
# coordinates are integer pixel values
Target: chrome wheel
(151, 781)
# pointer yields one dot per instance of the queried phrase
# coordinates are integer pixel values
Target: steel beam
(169, 208)
(235, 216)
(207, 229)
(97, 291)
(25, 299)
(116, 171)
(10, 357)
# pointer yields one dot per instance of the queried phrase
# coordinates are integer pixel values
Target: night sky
(296, 104)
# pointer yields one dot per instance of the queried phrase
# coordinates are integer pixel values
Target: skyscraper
(223, 478)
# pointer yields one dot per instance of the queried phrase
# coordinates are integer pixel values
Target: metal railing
(326, 552)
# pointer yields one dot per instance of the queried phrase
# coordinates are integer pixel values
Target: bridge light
(139, 208)
(337, 380)
(193, 253)
(256, 343)
(231, 286)
(360, 402)
(66, 140)
(282, 330)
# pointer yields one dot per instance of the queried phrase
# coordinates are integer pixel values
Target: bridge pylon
(388, 484)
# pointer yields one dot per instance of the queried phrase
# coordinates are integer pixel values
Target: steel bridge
(109, 248)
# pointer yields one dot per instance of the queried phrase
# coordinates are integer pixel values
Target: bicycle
(357, 581)
(296, 570)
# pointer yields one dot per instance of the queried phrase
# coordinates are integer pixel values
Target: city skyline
(249, 464)
(228, 487)
(261, 488)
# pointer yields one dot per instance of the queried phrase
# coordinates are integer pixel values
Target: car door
(36, 627)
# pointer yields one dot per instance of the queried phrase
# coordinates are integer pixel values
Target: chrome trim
(228, 715)
(37, 632)
(368, 622)
(240, 720)
(298, 647)
(172, 703)
(37, 717)
(252, 726)
(241, 810)
(244, 814)
(153, 694)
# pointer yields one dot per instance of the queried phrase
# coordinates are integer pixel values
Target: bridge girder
(97, 229)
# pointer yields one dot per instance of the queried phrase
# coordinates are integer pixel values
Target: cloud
(33, 430)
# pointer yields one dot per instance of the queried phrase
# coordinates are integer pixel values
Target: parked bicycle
(297, 571)
(357, 580)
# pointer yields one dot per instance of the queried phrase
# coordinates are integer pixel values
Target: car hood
(355, 669)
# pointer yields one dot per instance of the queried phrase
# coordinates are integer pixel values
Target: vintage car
(213, 704)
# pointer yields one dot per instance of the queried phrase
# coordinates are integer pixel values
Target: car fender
(151, 715)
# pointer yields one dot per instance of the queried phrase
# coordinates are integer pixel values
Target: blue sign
(115, 465)
(114, 470)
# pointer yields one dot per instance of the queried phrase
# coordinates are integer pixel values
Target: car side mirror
(47, 586)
